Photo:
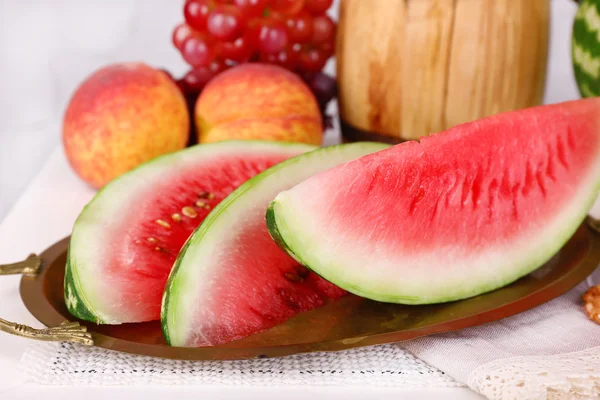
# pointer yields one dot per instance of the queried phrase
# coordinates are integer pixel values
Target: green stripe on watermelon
(585, 48)
(126, 239)
(588, 87)
(455, 215)
(75, 301)
(230, 279)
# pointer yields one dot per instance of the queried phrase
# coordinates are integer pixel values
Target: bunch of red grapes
(295, 34)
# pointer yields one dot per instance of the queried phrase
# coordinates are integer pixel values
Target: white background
(48, 46)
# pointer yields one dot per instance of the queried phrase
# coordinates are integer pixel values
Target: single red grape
(238, 50)
(287, 7)
(328, 47)
(198, 51)
(316, 7)
(225, 22)
(324, 87)
(197, 78)
(251, 8)
(311, 60)
(286, 58)
(270, 35)
(323, 29)
(180, 34)
(299, 27)
(196, 11)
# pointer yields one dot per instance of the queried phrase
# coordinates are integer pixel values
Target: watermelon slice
(126, 239)
(230, 279)
(457, 214)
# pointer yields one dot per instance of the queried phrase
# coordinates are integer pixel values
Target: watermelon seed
(162, 223)
(303, 272)
(151, 240)
(206, 195)
(293, 277)
(200, 203)
(189, 212)
(162, 250)
(176, 217)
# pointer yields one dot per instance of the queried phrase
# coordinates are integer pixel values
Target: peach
(258, 101)
(120, 117)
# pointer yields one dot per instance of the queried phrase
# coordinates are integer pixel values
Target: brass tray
(347, 323)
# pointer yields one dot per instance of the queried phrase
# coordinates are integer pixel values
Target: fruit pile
(232, 238)
(295, 34)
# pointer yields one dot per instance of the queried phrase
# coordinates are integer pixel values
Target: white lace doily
(389, 365)
(564, 376)
(549, 352)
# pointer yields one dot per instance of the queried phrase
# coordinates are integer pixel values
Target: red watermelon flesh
(125, 241)
(273, 289)
(231, 280)
(452, 216)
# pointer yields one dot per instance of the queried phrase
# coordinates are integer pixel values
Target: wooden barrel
(407, 68)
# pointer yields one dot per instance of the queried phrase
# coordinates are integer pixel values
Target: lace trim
(565, 376)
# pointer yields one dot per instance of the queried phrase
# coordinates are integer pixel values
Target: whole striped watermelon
(585, 48)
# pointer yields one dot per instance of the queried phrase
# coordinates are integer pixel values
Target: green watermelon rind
(585, 48)
(273, 228)
(175, 282)
(79, 303)
(76, 303)
(292, 243)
